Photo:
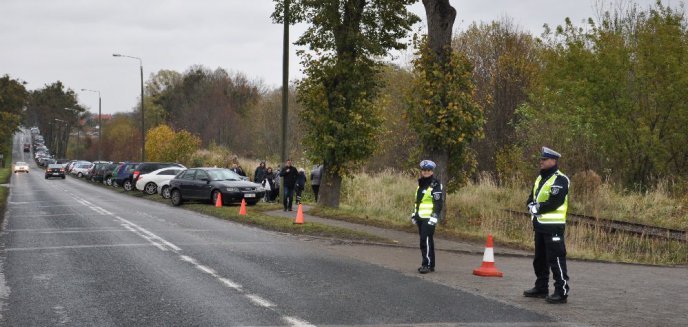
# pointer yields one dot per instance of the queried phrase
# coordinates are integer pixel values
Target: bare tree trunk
(330, 187)
(440, 16)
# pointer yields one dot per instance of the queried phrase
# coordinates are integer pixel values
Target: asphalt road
(76, 254)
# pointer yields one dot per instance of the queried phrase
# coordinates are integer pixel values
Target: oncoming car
(206, 183)
(21, 166)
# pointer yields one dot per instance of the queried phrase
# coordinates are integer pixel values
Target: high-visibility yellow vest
(425, 206)
(557, 216)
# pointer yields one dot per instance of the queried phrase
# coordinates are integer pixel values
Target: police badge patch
(437, 196)
(555, 190)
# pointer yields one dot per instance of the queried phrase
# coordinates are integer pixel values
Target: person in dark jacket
(547, 204)
(237, 169)
(300, 184)
(289, 175)
(269, 182)
(259, 175)
(316, 177)
(426, 214)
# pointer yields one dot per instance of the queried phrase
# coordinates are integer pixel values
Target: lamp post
(143, 131)
(100, 126)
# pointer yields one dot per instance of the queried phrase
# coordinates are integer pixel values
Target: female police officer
(426, 214)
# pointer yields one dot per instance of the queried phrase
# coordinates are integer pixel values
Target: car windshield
(223, 175)
(21, 163)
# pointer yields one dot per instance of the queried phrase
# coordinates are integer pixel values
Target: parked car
(150, 183)
(91, 171)
(108, 174)
(206, 183)
(54, 170)
(81, 168)
(100, 170)
(21, 166)
(124, 176)
(147, 167)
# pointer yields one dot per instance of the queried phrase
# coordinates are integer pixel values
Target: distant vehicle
(150, 182)
(54, 170)
(27, 147)
(81, 168)
(206, 183)
(21, 166)
(102, 170)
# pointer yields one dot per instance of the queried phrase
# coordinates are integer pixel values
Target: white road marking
(68, 247)
(165, 245)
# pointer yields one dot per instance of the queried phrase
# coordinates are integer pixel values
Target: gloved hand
(433, 220)
(533, 208)
(413, 219)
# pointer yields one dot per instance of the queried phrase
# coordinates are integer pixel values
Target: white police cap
(549, 153)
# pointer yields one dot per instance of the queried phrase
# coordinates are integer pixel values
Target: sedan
(151, 182)
(54, 170)
(21, 166)
(206, 183)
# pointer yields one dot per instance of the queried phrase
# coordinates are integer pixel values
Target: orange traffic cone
(299, 215)
(488, 269)
(218, 202)
(242, 210)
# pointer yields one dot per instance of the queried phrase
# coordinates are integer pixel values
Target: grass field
(477, 209)
(5, 174)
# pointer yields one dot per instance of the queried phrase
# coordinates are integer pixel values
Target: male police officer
(426, 214)
(547, 205)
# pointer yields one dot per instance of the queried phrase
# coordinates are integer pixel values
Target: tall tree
(13, 98)
(54, 108)
(345, 40)
(442, 109)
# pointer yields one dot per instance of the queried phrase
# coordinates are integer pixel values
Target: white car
(154, 181)
(21, 166)
(81, 168)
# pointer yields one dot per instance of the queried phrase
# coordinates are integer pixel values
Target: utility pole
(285, 91)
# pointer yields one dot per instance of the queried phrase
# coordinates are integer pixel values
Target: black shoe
(290, 209)
(556, 298)
(536, 292)
(425, 270)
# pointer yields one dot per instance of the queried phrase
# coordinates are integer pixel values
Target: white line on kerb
(165, 245)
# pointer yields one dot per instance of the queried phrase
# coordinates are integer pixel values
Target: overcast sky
(43, 41)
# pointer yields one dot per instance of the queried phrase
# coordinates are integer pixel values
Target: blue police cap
(427, 165)
(549, 153)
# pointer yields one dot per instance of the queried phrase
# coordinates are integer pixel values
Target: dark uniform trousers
(427, 244)
(550, 254)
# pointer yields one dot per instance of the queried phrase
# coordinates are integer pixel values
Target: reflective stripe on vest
(425, 206)
(557, 216)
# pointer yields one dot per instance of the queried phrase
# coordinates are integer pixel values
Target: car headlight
(232, 189)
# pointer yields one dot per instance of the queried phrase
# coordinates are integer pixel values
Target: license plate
(56, 174)
(249, 195)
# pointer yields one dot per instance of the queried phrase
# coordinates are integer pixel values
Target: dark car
(27, 147)
(206, 183)
(147, 167)
(101, 170)
(124, 175)
(54, 170)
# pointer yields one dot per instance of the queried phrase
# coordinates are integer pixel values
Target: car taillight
(62, 170)
(136, 175)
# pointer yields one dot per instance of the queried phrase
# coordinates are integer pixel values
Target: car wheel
(213, 197)
(176, 197)
(150, 188)
(251, 203)
(127, 185)
(46, 177)
(63, 177)
(80, 175)
(165, 192)
(108, 181)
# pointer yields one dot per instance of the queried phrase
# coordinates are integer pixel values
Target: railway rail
(623, 226)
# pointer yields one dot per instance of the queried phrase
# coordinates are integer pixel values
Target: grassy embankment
(478, 209)
(5, 174)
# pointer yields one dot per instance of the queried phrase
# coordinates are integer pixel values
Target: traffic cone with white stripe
(488, 269)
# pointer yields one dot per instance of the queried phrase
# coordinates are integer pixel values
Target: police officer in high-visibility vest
(547, 205)
(426, 213)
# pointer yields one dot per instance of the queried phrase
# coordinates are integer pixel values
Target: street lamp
(100, 126)
(143, 132)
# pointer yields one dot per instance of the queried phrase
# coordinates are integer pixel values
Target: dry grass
(477, 209)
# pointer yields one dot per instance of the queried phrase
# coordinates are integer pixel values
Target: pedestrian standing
(426, 213)
(237, 169)
(300, 184)
(289, 175)
(547, 204)
(316, 176)
(271, 183)
(259, 175)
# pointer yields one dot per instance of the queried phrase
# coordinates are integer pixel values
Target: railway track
(623, 226)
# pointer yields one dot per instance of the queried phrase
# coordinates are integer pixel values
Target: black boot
(425, 269)
(556, 298)
(536, 292)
